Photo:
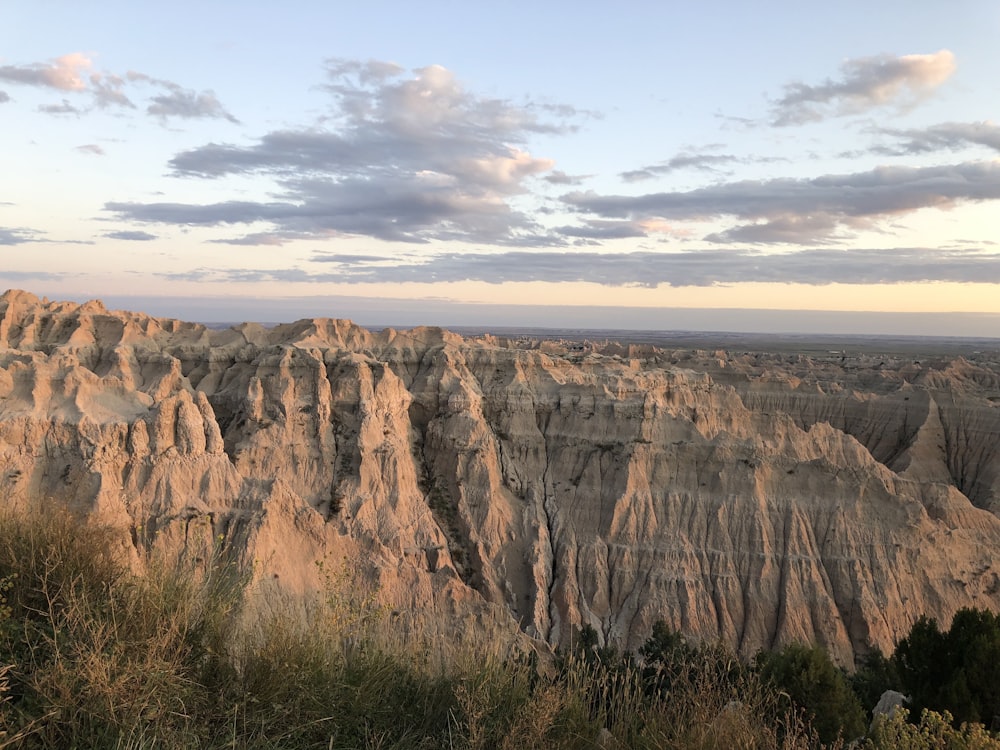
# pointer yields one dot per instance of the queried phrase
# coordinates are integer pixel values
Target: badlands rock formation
(757, 498)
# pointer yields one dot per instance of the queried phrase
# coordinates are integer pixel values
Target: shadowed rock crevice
(939, 427)
(758, 498)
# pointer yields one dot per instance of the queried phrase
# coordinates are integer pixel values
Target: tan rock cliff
(755, 498)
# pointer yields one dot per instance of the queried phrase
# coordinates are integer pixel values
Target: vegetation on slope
(955, 670)
(94, 656)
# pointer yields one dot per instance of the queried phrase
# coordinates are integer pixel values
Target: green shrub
(678, 695)
(934, 732)
(813, 682)
(953, 671)
(874, 675)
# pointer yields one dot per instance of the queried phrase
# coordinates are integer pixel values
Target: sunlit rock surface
(494, 484)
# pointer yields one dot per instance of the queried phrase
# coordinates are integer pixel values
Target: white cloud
(74, 74)
(865, 83)
(404, 156)
(66, 73)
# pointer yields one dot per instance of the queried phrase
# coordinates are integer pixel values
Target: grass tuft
(92, 655)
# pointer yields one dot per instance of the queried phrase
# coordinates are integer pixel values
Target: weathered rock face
(750, 498)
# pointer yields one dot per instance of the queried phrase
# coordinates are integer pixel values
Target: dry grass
(93, 656)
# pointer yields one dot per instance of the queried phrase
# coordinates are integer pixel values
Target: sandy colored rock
(756, 498)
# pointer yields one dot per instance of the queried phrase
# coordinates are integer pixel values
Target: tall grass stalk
(92, 655)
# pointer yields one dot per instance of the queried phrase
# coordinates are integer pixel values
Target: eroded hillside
(757, 498)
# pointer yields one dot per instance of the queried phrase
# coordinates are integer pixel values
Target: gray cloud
(700, 162)
(109, 91)
(820, 230)
(91, 148)
(257, 239)
(707, 267)
(558, 177)
(130, 235)
(604, 229)
(406, 156)
(63, 108)
(17, 236)
(948, 136)
(17, 277)
(213, 214)
(180, 102)
(865, 83)
(805, 210)
(342, 258)
(247, 275)
(4, 97)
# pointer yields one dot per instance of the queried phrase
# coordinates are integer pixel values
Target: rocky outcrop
(760, 499)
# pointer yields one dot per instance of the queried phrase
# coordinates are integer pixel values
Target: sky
(639, 165)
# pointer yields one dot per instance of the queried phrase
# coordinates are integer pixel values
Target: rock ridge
(502, 484)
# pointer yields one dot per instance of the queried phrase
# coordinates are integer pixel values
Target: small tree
(953, 671)
(668, 659)
(875, 674)
(588, 648)
(666, 656)
(814, 683)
